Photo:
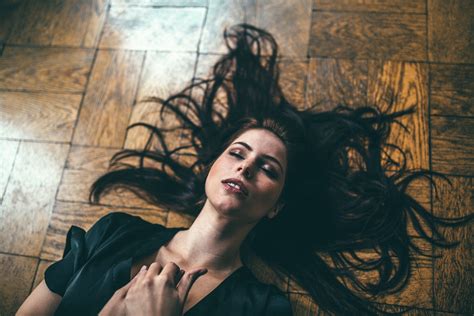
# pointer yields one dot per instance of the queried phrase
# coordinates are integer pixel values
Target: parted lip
(239, 183)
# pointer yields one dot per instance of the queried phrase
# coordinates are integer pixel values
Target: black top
(97, 263)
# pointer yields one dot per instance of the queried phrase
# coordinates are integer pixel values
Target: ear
(277, 209)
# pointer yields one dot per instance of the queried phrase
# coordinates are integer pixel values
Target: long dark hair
(343, 191)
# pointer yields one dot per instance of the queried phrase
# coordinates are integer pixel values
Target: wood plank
(75, 187)
(174, 3)
(66, 214)
(303, 305)
(8, 12)
(55, 23)
(89, 158)
(289, 22)
(452, 140)
(293, 76)
(17, 276)
(176, 219)
(7, 158)
(396, 309)
(368, 35)
(222, 15)
(42, 266)
(394, 6)
(333, 82)
(164, 29)
(418, 291)
(452, 89)
(45, 69)
(159, 79)
(95, 159)
(29, 197)
(407, 85)
(38, 116)
(400, 309)
(453, 277)
(109, 99)
(451, 35)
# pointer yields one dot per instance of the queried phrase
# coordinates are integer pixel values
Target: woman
(304, 190)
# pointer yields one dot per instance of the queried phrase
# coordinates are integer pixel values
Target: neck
(213, 241)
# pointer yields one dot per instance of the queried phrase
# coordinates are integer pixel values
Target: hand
(153, 293)
(116, 305)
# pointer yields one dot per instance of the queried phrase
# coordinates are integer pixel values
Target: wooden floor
(72, 74)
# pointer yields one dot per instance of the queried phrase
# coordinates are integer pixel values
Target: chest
(202, 287)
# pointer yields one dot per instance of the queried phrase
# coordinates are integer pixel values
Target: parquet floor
(72, 74)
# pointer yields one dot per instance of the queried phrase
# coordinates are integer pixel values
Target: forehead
(264, 142)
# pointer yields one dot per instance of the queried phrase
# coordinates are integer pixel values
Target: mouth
(235, 186)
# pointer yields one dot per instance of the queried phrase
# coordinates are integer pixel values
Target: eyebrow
(264, 155)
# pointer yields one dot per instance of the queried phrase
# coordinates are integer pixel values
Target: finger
(153, 270)
(187, 281)
(170, 271)
(124, 289)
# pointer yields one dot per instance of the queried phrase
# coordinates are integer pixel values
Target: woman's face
(258, 159)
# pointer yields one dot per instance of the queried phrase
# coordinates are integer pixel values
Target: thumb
(187, 282)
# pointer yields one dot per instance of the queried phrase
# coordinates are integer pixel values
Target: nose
(245, 169)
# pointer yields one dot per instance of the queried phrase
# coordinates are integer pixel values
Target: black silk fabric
(97, 263)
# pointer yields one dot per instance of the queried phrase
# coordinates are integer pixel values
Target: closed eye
(236, 155)
(269, 172)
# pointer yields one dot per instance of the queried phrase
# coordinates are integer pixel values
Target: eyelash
(269, 172)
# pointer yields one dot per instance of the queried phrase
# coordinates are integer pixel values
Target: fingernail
(143, 268)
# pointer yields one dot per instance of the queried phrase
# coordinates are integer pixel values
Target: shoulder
(114, 221)
(115, 227)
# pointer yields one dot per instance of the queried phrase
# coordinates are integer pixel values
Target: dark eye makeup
(270, 172)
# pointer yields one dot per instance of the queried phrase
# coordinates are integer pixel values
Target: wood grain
(45, 69)
(7, 158)
(333, 82)
(368, 35)
(38, 116)
(293, 77)
(164, 29)
(394, 6)
(89, 158)
(303, 305)
(452, 89)
(174, 3)
(29, 197)
(76, 184)
(176, 219)
(7, 16)
(55, 23)
(418, 291)
(289, 22)
(109, 99)
(159, 79)
(17, 275)
(222, 15)
(453, 277)
(452, 140)
(451, 31)
(395, 86)
(66, 214)
(42, 266)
